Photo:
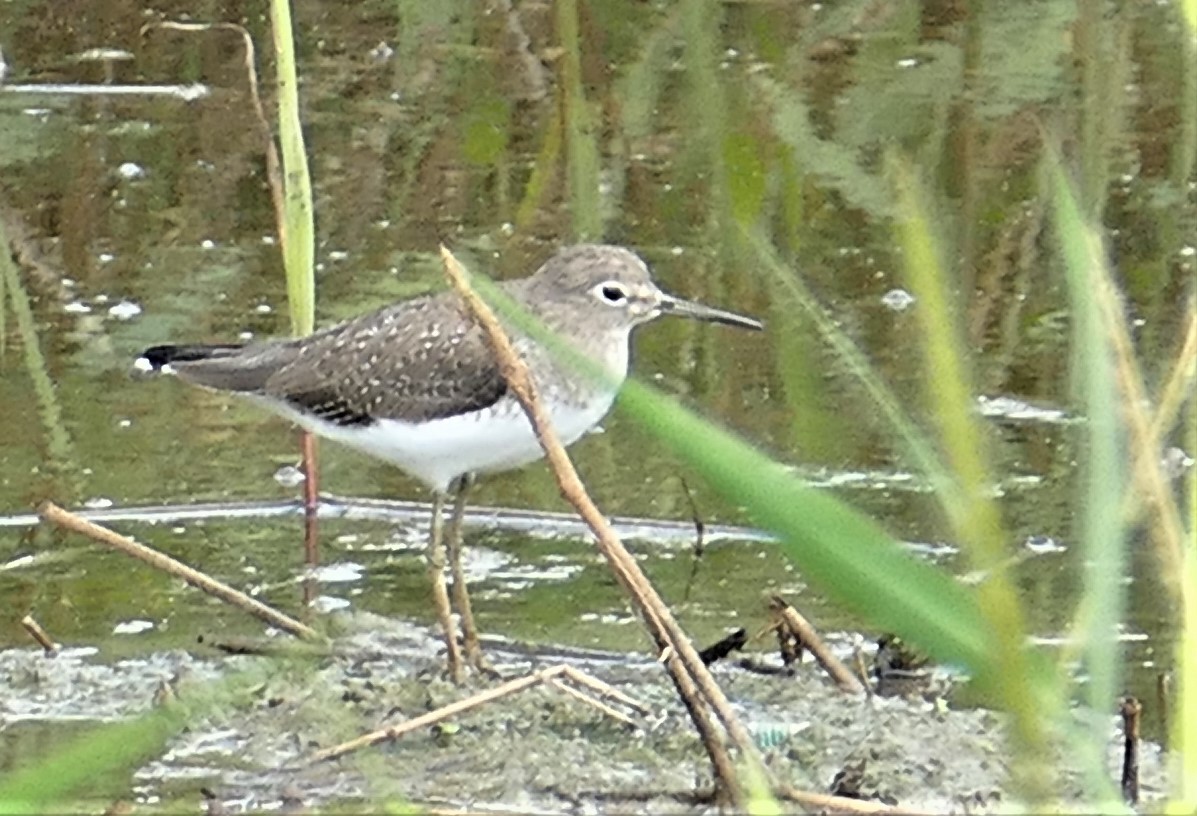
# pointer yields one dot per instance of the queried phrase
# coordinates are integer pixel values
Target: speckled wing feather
(415, 361)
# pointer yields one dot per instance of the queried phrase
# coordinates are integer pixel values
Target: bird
(415, 384)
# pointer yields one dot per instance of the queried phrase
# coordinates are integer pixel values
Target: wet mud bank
(542, 750)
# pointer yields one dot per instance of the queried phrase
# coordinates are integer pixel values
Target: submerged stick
(809, 638)
(684, 664)
(68, 520)
(39, 634)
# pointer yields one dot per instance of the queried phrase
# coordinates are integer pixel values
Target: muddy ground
(539, 752)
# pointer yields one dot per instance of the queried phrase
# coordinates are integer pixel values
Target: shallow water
(144, 219)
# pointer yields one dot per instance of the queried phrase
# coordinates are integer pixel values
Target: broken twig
(545, 676)
(70, 521)
(39, 634)
(809, 638)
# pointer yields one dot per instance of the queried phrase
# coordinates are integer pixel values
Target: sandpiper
(415, 384)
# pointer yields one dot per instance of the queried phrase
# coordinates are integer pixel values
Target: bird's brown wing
(416, 361)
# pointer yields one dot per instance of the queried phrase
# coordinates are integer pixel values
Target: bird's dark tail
(153, 359)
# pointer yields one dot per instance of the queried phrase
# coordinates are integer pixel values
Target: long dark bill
(688, 308)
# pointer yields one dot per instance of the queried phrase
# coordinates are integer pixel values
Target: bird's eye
(613, 294)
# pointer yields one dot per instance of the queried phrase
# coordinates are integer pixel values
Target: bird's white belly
(439, 451)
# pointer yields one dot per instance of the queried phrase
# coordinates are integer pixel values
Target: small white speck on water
(263, 308)
(327, 603)
(289, 476)
(125, 310)
(132, 627)
(131, 170)
(897, 300)
(338, 573)
(1043, 545)
(208, 243)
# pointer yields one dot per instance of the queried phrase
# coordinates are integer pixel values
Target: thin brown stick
(655, 613)
(432, 717)
(606, 689)
(547, 676)
(592, 701)
(39, 634)
(68, 520)
(809, 638)
(825, 802)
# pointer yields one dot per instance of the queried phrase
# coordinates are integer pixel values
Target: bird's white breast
(496, 439)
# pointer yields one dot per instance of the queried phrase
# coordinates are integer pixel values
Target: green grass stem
(1103, 535)
(298, 238)
(977, 521)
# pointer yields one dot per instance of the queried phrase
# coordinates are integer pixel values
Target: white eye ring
(612, 293)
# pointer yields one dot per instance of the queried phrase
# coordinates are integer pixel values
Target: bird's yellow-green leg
(440, 593)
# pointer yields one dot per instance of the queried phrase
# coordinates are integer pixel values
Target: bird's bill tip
(698, 311)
